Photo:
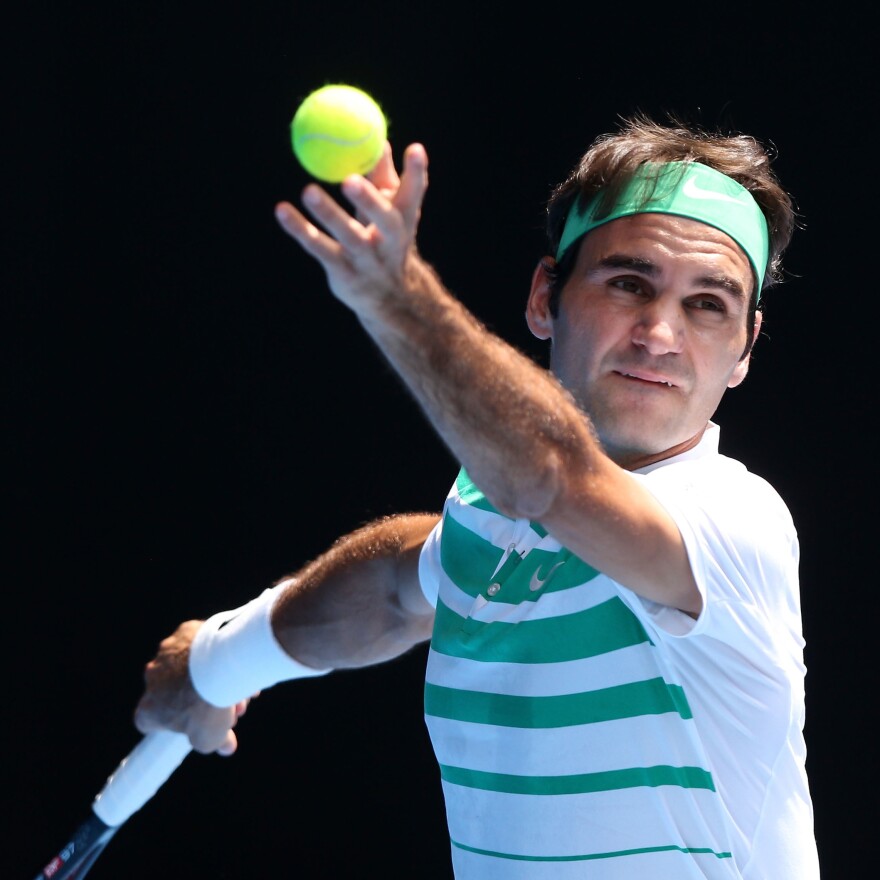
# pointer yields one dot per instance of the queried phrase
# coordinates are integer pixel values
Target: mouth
(647, 379)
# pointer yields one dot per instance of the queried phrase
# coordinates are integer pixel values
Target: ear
(538, 315)
(742, 368)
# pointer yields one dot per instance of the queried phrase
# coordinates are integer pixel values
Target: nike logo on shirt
(536, 582)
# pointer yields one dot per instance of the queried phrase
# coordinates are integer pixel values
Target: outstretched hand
(170, 702)
(363, 254)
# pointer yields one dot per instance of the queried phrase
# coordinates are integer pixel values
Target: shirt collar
(708, 445)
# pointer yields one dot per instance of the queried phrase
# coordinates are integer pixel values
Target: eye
(707, 303)
(629, 285)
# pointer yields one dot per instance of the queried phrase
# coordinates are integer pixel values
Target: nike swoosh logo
(693, 191)
(536, 582)
(228, 620)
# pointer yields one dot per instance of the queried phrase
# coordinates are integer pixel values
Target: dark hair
(612, 159)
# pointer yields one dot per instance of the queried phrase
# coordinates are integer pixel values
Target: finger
(208, 735)
(143, 719)
(380, 218)
(384, 176)
(413, 185)
(229, 745)
(308, 236)
(343, 232)
(386, 215)
(350, 232)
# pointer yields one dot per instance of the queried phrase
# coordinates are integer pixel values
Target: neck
(632, 461)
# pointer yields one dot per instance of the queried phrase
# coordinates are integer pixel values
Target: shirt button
(493, 589)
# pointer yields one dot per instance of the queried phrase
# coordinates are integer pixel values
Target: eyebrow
(650, 269)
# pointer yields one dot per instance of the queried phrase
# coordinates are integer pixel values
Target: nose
(659, 328)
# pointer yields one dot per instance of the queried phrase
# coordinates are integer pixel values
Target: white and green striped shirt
(584, 733)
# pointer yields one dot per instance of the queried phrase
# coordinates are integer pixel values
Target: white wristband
(235, 653)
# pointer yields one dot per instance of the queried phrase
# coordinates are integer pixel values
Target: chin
(644, 440)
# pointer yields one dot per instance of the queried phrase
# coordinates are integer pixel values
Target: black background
(189, 414)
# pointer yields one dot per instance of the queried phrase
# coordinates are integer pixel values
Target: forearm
(507, 420)
(524, 441)
(358, 603)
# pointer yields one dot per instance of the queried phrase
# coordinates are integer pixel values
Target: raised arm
(513, 426)
(357, 604)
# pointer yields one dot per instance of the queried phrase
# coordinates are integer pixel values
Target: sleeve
(743, 550)
(429, 564)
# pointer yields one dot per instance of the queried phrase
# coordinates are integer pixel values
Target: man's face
(650, 329)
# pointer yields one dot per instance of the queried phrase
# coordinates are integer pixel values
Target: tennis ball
(338, 130)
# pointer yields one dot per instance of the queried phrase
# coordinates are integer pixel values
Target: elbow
(532, 492)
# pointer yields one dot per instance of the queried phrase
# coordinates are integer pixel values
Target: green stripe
(472, 496)
(470, 561)
(651, 697)
(695, 850)
(466, 558)
(579, 783)
(608, 626)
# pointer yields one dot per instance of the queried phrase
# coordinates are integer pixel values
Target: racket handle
(139, 775)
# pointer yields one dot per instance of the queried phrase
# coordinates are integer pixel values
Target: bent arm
(511, 424)
(357, 604)
(360, 602)
(526, 443)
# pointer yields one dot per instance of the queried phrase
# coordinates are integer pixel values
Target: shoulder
(724, 488)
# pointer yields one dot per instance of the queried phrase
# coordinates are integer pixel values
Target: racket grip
(139, 775)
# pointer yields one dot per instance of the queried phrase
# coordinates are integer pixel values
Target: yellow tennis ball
(336, 131)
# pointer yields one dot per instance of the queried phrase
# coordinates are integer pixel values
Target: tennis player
(615, 681)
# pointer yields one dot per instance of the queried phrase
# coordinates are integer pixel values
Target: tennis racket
(136, 779)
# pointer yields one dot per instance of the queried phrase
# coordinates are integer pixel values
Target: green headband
(687, 189)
